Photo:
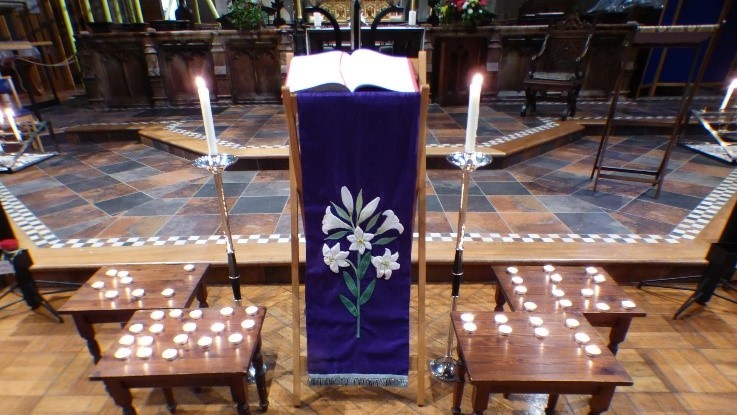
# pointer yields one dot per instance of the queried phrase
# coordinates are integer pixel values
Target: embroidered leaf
(337, 235)
(348, 304)
(359, 203)
(384, 241)
(363, 265)
(350, 284)
(342, 213)
(372, 221)
(366, 295)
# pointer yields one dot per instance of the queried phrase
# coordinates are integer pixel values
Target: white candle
(467, 317)
(500, 318)
(11, 120)
(317, 19)
(728, 95)
(472, 123)
(204, 94)
(412, 18)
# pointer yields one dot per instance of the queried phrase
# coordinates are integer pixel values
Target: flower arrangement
(466, 12)
(246, 14)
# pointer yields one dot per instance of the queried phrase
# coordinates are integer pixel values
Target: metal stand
(215, 165)
(445, 368)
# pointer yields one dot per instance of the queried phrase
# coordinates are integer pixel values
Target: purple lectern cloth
(359, 171)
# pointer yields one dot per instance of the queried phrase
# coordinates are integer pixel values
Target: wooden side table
(520, 362)
(223, 363)
(539, 291)
(89, 305)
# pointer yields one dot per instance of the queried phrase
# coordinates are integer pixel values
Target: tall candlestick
(204, 94)
(474, 99)
(10, 114)
(728, 95)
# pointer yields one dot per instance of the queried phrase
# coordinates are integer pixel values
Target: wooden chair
(559, 65)
(27, 122)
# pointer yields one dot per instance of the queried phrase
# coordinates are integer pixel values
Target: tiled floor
(684, 367)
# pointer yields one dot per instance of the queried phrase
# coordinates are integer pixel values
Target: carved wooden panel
(458, 59)
(181, 59)
(253, 67)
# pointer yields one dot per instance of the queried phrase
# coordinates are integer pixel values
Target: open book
(364, 68)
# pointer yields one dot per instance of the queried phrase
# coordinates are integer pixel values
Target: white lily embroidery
(368, 210)
(360, 241)
(385, 264)
(330, 222)
(334, 257)
(391, 222)
(347, 198)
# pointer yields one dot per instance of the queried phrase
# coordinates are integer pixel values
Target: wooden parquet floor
(679, 367)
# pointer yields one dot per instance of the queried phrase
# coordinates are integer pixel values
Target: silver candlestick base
(445, 368)
(216, 165)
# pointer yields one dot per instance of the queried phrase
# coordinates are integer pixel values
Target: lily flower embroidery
(347, 198)
(330, 222)
(334, 257)
(368, 210)
(391, 222)
(360, 241)
(385, 264)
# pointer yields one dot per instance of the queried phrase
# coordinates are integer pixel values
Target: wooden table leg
(121, 395)
(258, 364)
(500, 299)
(552, 403)
(202, 295)
(618, 333)
(458, 388)
(239, 392)
(87, 332)
(480, 399)
(171, 403)
(600, 400)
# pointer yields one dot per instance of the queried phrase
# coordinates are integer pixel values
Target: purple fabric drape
(359, 171)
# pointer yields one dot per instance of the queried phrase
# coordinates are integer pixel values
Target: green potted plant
(246, 14)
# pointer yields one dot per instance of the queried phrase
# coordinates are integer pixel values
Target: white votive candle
(505, 330)
(602, 307)
(156, 328)
(235, 338)
(157, 315)
(556, 278)
(195, 314)
(541, 332)
(181, 339)
(217, 327)
(189, 327)
(144, 352)
(467, 317)
(126, 280)
(520, 289)
(592, 350)
(136, 328)
(205, 342)
(251, 310)
(529, 306)
(598, 278)
(167, 292)
(145, 341)
(110, 294)
(591, 270)
(500, 318)
(111, 272)
(517, 280)
(536, 321)
(248, 324)
(548, 268)
(123, 353)
(189, 267)
(512, 270)
(628, 304)
(98, 285)
(565, 303)
(581, 338)
(169, 354)
(122, 274)
(176, 313)
(226, 311)
(469, 327)
(587, 292)
(559, 293)
(572, 323)
(127, 340)
(138, 293)
(204, 95)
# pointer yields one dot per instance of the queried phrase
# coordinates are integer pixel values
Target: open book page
(316, 71)
(369, 68)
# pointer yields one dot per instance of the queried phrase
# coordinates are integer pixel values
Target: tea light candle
(251, 310)
(123, 353)
(541, 332)
(592, 350)
(467, 317)
(572, 323)
(581, 338)
(587, 292)
(126, 280)
(520, 289)
(167, 292)
(500, 318)
(169, 354)
(127, 340)
(189, 267)
(536, 321)
(469, 327)
(189, 327)
(136, 328)
(122, 274)
(559, 293)
(111, 272)
(181, 339)
(512, 270)
(205, 342)
(217, 327)
(565, 303)
(176, 313)
(548, 268)
(110, 294)
(98, 285)
(195, 314)
(157, 328)
(517, 280)
(226, 311)
(248, 324)
(598, 278)
(556, 278)
(157, 315)
(505, 330)
(144, 352)
(530, 306)
(628, 304)
(602, 306)
(235, 338)
(138, 293)
(145, 341)
(591, 270)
